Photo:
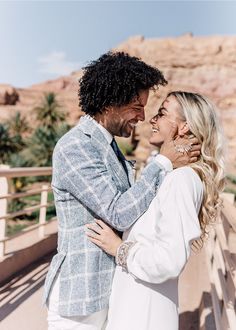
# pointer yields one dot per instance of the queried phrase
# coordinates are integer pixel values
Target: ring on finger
(183, 148)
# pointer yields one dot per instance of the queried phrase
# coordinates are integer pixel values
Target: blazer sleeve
(80, 171)
(177, 204)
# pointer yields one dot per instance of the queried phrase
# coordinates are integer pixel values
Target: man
(92, 179)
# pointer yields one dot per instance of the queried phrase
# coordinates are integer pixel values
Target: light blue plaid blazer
(89, 182)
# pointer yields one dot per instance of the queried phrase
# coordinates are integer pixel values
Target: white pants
(95, 321)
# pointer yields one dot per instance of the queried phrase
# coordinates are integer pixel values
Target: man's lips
(132, 124)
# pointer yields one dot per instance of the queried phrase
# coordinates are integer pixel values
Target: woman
(155, 250)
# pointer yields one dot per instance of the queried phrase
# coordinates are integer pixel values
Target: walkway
(20, 299)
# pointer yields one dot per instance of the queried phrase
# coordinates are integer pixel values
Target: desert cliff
(203, 64)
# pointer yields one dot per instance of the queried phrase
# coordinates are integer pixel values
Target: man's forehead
(138, 100)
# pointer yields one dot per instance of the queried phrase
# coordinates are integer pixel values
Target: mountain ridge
(206, 65)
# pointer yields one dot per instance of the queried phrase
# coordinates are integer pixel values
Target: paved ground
(20, 299)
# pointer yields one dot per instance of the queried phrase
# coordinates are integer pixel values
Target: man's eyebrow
(138, 104)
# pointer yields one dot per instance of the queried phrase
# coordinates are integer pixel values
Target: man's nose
(141, 115)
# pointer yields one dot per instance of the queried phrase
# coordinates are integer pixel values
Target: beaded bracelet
(122, 253)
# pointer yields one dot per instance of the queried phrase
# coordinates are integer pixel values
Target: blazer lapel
(130, 164)
(117, 167)
(90, 128)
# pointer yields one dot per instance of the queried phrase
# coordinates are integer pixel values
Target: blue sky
(42, 40)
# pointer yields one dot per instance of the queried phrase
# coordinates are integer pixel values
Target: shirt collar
(105, 132)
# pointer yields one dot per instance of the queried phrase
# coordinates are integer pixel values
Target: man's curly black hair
(114, 80)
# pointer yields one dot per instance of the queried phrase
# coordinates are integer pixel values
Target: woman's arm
(159, 259)
(103, 236)
(177, 206)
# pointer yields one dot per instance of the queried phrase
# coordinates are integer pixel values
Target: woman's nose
(153, 120)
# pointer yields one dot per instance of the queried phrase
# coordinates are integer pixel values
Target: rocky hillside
(203, 64)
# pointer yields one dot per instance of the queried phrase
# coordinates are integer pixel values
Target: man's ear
(106, 109)
(183, 129)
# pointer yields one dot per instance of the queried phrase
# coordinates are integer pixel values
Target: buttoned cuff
(164, 162)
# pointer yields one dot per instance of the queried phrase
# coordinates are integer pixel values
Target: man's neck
(103, 128)
(101, 119)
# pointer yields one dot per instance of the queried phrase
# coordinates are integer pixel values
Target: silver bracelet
(122, 253)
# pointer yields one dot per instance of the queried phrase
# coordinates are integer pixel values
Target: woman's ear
(183, 129)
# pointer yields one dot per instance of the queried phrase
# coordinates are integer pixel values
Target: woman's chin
(155, 142)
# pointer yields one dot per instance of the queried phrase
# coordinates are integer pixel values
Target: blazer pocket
(61, 195)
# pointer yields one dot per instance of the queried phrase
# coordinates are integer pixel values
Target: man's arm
(81, 171)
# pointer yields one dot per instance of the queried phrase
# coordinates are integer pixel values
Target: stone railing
(6, 174)
(219, 312)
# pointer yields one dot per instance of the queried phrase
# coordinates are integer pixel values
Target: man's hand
(172, 146)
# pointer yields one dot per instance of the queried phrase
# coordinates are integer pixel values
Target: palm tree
(49, 113)
(51, 127)
(40, 147)
(7, 144)
(41, 144)
(17, 124)
(18, 127)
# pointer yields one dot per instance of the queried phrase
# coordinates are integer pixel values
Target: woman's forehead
(171, 104)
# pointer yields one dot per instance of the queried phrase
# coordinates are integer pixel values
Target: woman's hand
(104, 237)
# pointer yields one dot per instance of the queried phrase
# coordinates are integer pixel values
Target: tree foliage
(7, 144)
(20, 147)
(49, 113)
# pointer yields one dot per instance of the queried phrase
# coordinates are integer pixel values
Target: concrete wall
(18, 260)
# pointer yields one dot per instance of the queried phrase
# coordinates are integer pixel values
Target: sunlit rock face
(8, 95)
(206, 65)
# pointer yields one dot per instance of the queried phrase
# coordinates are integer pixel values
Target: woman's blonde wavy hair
(201, 117)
